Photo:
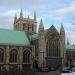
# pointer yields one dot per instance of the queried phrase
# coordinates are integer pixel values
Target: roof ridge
(11, 30)
(13, 37)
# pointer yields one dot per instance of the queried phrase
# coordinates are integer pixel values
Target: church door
(35, 64)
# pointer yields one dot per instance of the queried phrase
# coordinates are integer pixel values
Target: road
(73, 73)
(58, 73)
(52, 73)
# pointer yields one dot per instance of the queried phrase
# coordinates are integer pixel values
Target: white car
(66, 71)
(67, 74)
(73, 71)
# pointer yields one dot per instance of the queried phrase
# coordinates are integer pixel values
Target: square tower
(25, 24)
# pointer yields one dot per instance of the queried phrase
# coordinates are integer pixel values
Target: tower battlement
(25, 24)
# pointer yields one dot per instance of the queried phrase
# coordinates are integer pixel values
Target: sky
(53, 12)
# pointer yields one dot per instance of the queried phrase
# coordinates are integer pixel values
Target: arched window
(1, 55)
(26, 56)
(13, 55)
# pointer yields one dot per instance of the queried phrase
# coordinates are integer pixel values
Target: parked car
(66, 71)
(73, 69)
(44, 69)
(67, 74)
(52, 69)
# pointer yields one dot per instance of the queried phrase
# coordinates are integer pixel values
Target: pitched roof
(53, 30)
(13, 37)
(70, 47)
(34, 36)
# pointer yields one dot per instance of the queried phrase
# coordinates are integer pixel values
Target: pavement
(52, 73)
(72, 73)
(58, 73)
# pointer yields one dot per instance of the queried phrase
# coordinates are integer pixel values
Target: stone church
(24, 47)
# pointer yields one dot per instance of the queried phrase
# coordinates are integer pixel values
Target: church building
(23, 47)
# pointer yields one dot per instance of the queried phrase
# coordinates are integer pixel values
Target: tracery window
(53, 46)
(52, 42)
(13, 55)
(1, 55)
(26, 56)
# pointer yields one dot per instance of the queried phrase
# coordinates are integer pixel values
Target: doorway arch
(35, 64)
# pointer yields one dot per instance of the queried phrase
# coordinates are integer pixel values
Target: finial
(21, 14)
(62, 28)
(28, 18)
(68, 42)
(41, 24)
(34, 16)
(15, 18)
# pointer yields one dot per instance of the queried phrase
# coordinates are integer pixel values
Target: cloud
(9, 1)
(63, 12)
(71, 36)
(66, 10)
(6, 18)
(11, 13)
(35, 2)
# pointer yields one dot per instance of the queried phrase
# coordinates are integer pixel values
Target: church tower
(25, 24)
(42, 46)
(62, 43)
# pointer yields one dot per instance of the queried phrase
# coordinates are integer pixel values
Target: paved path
(52, 73)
